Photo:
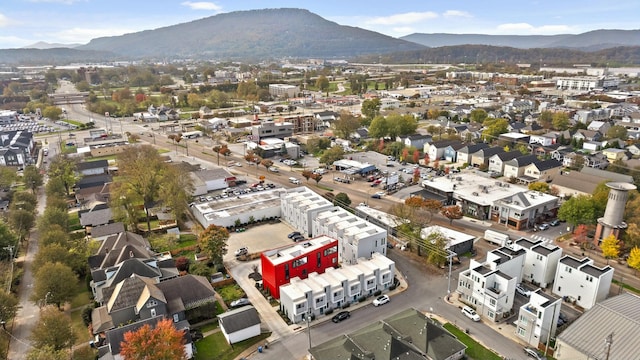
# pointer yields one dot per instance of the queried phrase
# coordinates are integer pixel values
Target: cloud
(526, 28)
(406, 18)
(5, 21)
(456, 13)
(65, 2)
(202, 5)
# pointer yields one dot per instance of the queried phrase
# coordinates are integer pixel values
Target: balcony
(494, 290)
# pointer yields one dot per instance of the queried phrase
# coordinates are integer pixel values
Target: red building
(299, 260)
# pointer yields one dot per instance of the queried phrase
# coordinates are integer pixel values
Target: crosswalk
(542, 238)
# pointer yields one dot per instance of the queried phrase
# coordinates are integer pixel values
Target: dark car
(375, 196)
(293, 234)
(342, 315)
(298, 238)
(555, 222)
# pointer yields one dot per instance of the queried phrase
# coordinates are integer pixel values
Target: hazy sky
(24, 22)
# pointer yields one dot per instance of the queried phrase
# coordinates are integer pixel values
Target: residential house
(609, 328)
(16, 148)
(100, 233)
(541, 170)
(614, 154)
(561, 152)
(436, 149)
(497, 161)
(600, 126)
(415, 140)
(597, 161)
(523, 210)
(587, 135)
(541, 261)
(239, 324)
(451, 152)
(543, 151)
(490, 286)
(543, 139)
(465, 152)
(96, 167)
(514, 168)
(409, 334)
(481, 157)
(538, 318)
(99, 214)
(589, 116)
(581, 282)
(456, 241)
(325, 119)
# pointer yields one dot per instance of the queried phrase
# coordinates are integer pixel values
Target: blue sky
(24, 22)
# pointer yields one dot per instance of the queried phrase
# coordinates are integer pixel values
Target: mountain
(45, 45)
(589, 41)
(57, 56)
(254, 34)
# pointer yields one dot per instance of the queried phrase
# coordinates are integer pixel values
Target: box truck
(497, 238)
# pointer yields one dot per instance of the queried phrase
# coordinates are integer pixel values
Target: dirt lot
(259, 238)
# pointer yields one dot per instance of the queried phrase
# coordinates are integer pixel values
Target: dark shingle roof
(192, 289)
(238, 319)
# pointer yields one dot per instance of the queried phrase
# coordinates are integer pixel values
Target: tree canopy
(55, 283)
(213, 241)
(345, 125)
(163, 342)
(332, 155)
(578, 210)
(53, 329)
(610, 247)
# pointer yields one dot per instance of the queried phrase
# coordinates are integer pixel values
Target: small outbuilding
(239, 324)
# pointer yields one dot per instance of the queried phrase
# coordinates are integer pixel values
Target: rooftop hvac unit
(475, 193)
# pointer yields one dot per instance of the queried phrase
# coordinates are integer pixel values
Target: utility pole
(608, 341)
(309, 327)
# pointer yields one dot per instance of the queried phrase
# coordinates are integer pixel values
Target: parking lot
(259, 238)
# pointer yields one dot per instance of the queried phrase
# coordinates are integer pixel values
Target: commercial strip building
(336, 287)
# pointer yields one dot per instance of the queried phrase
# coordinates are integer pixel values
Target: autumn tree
(342, 200)
(416, 157)
(540, 186)
(580, 235)
(578, 210)
(316, 177)
(47, 353)
(176, 191)
(32, 178)
(426, 160)
(610, 247)
(162, 342)
(453, 212)
(416, 175)
(213, 241)
(307, 174)
(53, 329)
(546, 119)
(332, 155)
(266, 163)
(436, 243)
(345, 125)
(55, 283)
(634, 259)
(8, 306)
(252, 157)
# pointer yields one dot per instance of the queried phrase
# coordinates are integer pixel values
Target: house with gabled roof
(514, 168)
(407, 335)
(465, 152)
(541, 170)
(99, 214)
(497, 161)
(95, 167)
(581, 281)
(239, 324)
(481, 157)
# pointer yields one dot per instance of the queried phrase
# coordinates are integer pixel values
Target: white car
(242, 251)
(523, 290)
(381, 300)
(274, 169)
(381, 193)
(470, 313)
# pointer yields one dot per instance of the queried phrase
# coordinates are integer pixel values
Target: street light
(309, 327)
(450, 258)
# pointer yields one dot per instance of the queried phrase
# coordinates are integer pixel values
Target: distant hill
(255, 34)
(57, 56)
(589, 41)
(45, 45)
(624, 55)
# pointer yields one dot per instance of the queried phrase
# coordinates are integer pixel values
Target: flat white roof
(474, 188)
(453, 237)
(289, 252)
(381, 216)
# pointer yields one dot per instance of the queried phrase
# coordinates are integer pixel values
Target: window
(331, 250)
(492, 302)
(524, 320)
(521, 331)
(589, 278)
(286, 271)
(153, 312)
(567, 269)
(176, 318)
(152, 303)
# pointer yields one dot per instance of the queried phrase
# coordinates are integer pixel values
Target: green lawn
(81, 331)
(474, 349)
(215, 347)
(83, 296)
(74, 221)
(231, 292)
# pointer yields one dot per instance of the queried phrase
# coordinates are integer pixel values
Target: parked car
(554, 222)
(470, 313)
(342, 315)
(242, 251)
(274, 169)
(291, 235)
(298, 238)
(240, 302)
(543, 226)
(520, 289)
(376, 196)
(381, 300)
(534, 353)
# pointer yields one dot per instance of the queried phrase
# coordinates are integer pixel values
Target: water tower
(612, 222)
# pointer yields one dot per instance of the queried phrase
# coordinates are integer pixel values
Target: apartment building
(490, 286)
(334, 288)
(538, 319)
(541, 261)
(280, 265)
(581, 282)
(523, 210)
(300, 206)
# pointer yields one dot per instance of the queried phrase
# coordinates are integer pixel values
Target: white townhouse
(538, 319)
(581, 282)
(490, 286)
(541, 261)
(497, 161)
(335, 287)
(300, 206)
